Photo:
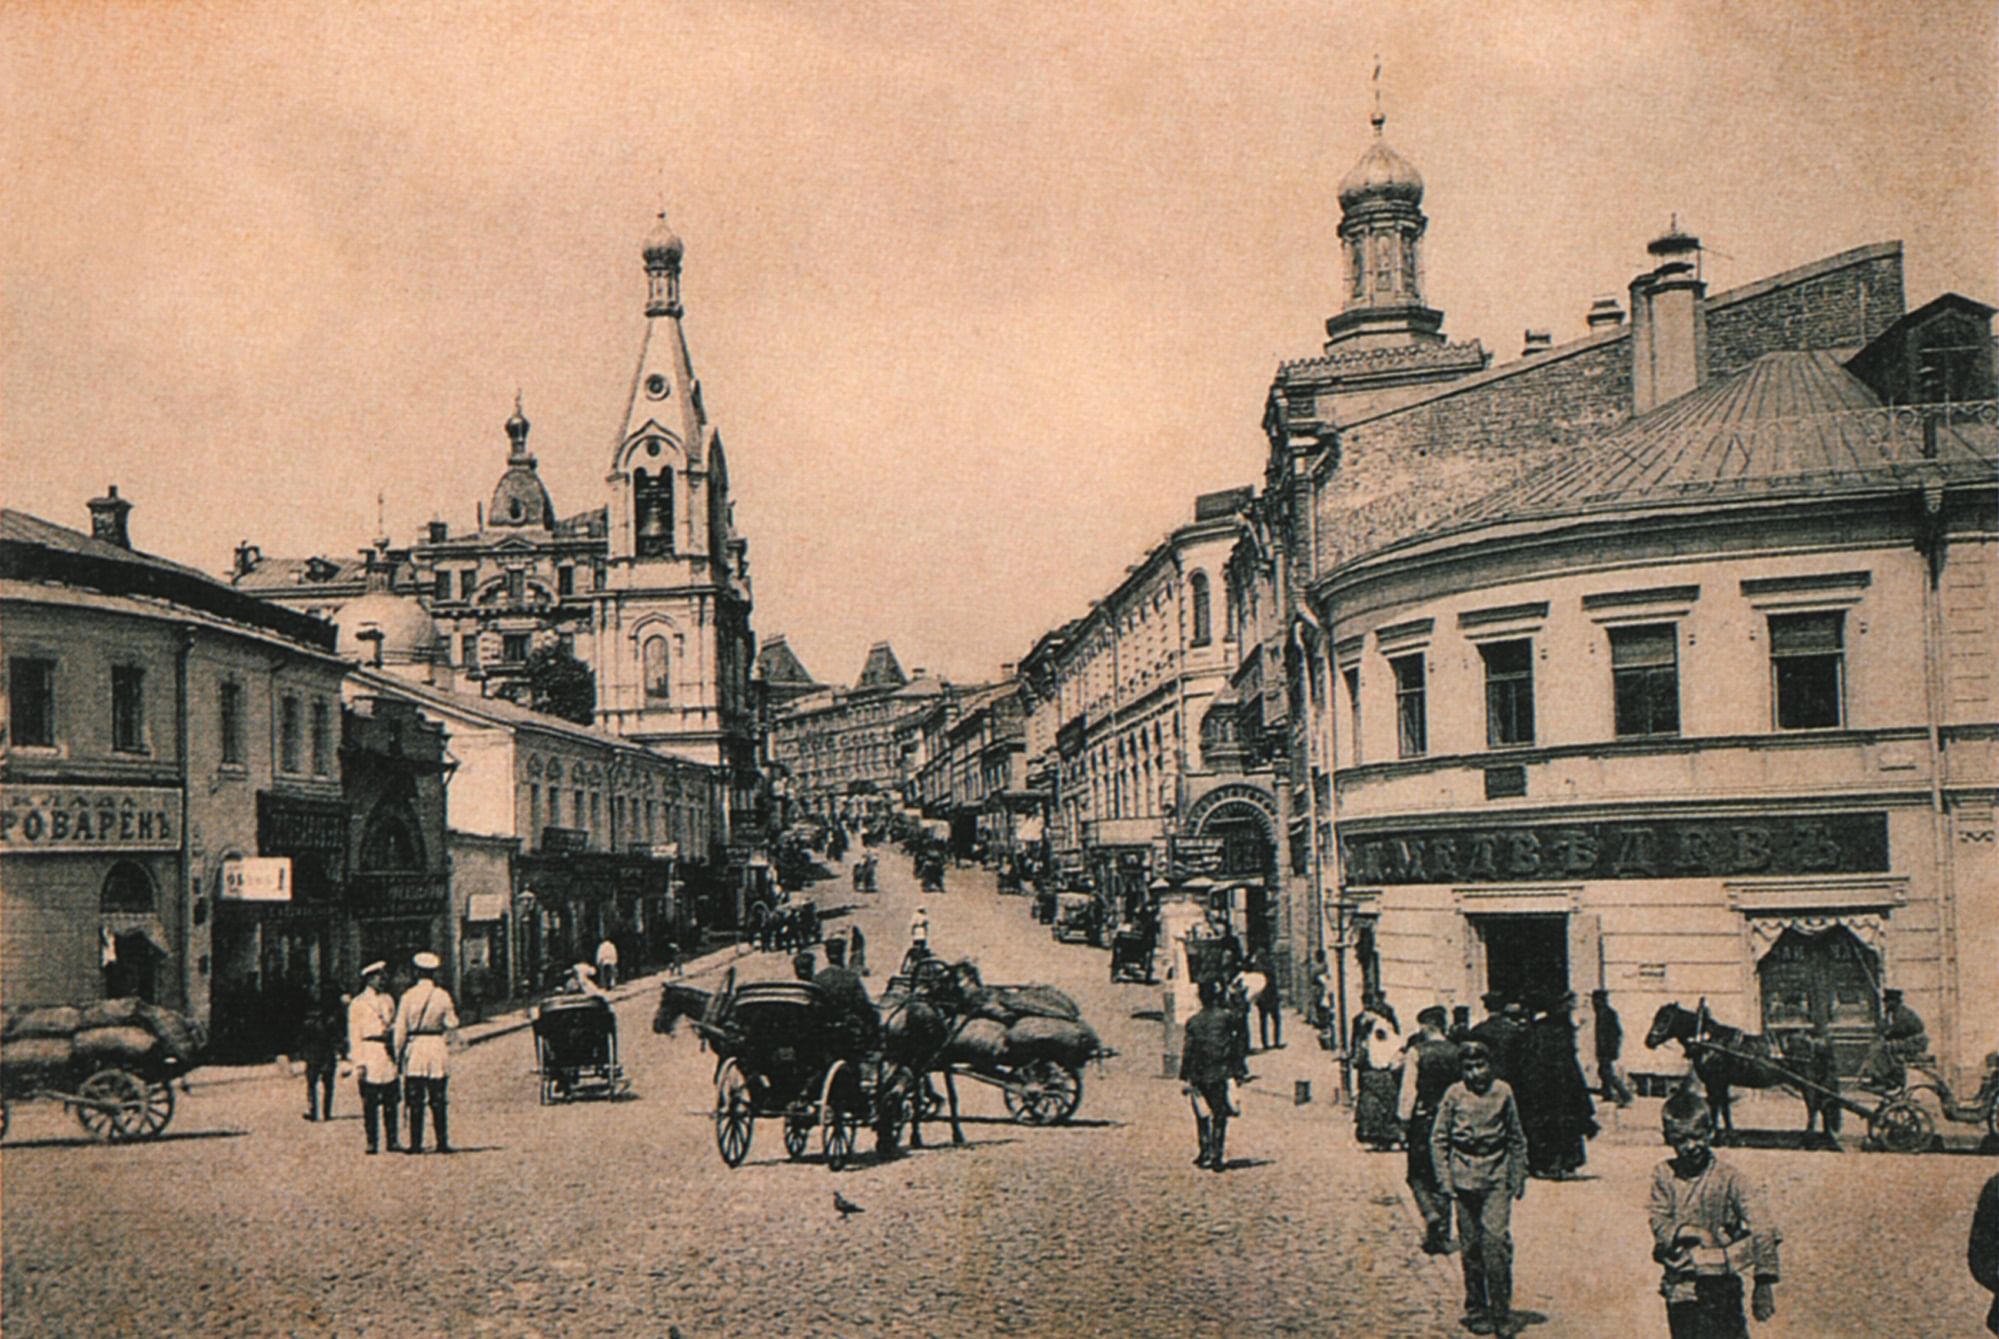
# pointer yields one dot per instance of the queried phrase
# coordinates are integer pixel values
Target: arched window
(126, 888)
(1198, 586)
(658, 687)
(391, 841)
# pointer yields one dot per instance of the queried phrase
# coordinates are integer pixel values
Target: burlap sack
(122, 1042)
(980, 1042)
(110, 1013)
(1059, 1039)
(1039, 1002)
(60, 1020)
(35, 1053)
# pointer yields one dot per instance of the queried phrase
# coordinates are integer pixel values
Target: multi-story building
(650, 591)
(841, 750)
(173, 823)
(1658, 661)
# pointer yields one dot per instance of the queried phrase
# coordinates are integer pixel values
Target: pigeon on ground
(847, 1208)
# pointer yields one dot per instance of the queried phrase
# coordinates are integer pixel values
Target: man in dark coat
(1609, 1045)
(322, 1041)
(1431, 1068)
(1558, 1115)
(1208, 1058)
(1503, 1033)
(844, 989)
(1982, 1252)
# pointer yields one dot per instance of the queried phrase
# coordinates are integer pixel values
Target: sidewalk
(473, 1034)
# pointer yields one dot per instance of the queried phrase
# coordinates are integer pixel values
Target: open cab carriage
(576, 1049)
(113, 1063)
(1131, 953)
(787, 1054)
(1079, 919)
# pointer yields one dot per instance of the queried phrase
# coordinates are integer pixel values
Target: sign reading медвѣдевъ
(35, 819)
(1658, 849)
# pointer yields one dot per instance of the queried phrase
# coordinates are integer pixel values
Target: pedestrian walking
(1208, 1060)
(857, 950)
(1982, 1252)
(1558, 1116)
(371, 1022)
(1243, 991)
(1269, 1015)
(607, 964)
(1709, 1231)
(1609, 1045)
(1378, 1045)
(322, 1041)
(1430, 1067)
(424, 1015)
(919, 931)
(1319, 999)
(1460, 1031)
(1480, 1155)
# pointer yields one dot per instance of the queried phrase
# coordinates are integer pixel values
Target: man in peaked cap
(371, 1019)
(1431, 1068)
(423, 1017)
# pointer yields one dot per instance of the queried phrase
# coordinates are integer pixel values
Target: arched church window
(1357, 266)
(391, 841)
(652, 513)
(126, 888)
(1409, 264)
(658, 686)
(1197, 585)
(1384, 261)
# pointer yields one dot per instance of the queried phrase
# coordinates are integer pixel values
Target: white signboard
(257, 879)
(34, 819)
(486, 907)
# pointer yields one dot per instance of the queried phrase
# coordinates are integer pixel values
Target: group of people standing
(398, 1051)
(1534, 1053)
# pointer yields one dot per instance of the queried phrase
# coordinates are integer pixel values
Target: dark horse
(677, 1001)
(1726, 1057)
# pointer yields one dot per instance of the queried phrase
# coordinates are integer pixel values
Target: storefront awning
(116, 923)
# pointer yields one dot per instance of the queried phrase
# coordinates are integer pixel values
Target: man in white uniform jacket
(371, 1021)
(422, 1018)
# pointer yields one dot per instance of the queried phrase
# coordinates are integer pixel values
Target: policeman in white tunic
(371, 1021)
(423, 1017)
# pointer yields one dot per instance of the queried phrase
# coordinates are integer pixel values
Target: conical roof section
(777, 663)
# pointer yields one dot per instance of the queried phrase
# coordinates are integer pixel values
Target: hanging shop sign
(1853, 843)
(257, 879)
(36, 819)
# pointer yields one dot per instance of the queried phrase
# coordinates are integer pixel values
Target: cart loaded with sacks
(1029, 1041)
(113, 1063)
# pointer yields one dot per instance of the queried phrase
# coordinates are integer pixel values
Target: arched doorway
(1238, 817)
(131, 941)
(1822, 978)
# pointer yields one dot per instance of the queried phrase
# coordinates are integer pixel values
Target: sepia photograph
(888, 670)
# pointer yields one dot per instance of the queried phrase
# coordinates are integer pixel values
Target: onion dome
(1381, 174)
(520, 498)
(663, 245)
(396, 624)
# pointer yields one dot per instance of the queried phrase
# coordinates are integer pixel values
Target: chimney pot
(108, 518)
(1604, 312)
(1536, 341)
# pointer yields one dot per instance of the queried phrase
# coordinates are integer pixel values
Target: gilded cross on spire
(1380, 117)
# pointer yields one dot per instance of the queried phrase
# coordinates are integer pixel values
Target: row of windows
(1807, 684)
(32, 717)
(466, 580)
(627, 816)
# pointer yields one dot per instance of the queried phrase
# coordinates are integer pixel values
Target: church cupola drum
(1381, 234)
(673, 614)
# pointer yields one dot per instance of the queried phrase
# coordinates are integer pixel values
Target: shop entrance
(1822, 983)
(1526, 957)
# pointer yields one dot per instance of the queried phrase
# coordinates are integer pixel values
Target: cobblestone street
(620, 1217)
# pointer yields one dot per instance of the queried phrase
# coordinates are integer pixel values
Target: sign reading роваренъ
(36, 819)
(1655, 849)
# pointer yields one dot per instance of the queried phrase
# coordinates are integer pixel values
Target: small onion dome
(663, 244)
(1381, 174)
(402, 625)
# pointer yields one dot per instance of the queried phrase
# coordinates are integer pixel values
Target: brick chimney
(108, 518)
(1536, 341)
(1668, 323)
(1604, 312)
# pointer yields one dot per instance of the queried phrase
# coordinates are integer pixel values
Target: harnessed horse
(1726, 1057)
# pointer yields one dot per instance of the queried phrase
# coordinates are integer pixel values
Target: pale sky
(980, 295)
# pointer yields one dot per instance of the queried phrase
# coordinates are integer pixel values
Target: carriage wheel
(797, 1134)
(836, 1124)
(1044, 1092)
(1902, 1126)
(735, 1114)
(151, 1120)
(111, 1102)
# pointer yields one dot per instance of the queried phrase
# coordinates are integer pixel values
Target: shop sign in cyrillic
(257, 879)
(1720, 847)
(37, 819)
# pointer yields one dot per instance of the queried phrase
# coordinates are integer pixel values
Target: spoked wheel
(735, 1114)
(112, 1101)
(1044, 1092)
(1902, 1126)
(153, 1118)
(797, 1134)
(836, 1122)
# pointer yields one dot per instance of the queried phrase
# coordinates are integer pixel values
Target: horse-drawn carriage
(786, 1052)
(114, 1063)
(1028, 1041)
(1131, 952)
(576, 1049)
(1900, 1121)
